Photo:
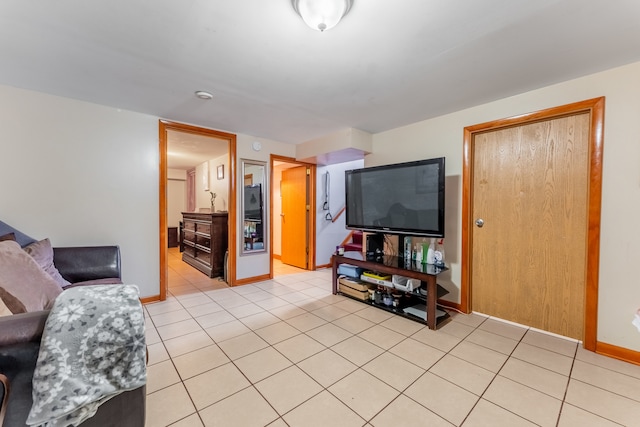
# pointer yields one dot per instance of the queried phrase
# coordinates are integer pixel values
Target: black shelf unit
(426, 273)
(415, 298)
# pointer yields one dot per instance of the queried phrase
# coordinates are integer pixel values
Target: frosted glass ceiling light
(322, 14)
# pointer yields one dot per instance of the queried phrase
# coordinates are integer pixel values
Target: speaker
(375, 245)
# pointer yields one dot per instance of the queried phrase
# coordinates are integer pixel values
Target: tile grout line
(493, 379)
(566, 389)
(251, 384)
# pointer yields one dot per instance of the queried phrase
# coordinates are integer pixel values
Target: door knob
(479, 222)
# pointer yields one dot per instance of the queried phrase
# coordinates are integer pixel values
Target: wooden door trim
(163, 127)
(595, 107)
(312, 209)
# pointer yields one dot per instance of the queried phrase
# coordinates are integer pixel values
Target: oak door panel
(294, 217)
(530, 187)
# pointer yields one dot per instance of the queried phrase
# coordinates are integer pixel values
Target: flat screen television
(403, 198)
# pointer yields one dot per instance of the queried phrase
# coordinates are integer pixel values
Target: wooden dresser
(205, 238)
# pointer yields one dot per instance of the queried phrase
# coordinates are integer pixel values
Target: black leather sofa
(20, 336)
(89, 265)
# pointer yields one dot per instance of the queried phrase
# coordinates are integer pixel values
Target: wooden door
(295, 241)
(530, 189)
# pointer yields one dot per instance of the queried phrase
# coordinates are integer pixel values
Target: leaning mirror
(253, 206)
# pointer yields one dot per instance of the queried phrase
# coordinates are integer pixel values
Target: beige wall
(176, 196)
(330, 234)
(176, 201)
(256, 263)
(82, 174)
(220, 187)
(619, 292)
(85, 174)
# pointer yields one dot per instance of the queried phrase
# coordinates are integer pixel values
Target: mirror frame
(263, 180)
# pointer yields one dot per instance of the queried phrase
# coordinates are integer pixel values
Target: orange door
(530, 210)
(295, 215)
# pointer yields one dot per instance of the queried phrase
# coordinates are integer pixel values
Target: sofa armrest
(23, 327)
(80, 264)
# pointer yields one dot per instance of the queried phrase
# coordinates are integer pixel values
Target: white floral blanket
(92, 349)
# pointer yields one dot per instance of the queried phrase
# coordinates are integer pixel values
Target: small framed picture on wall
(221, 172)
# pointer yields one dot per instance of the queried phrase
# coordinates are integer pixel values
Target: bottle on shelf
(431, 259)
(418, 254)
(407, 248)
(439, 253)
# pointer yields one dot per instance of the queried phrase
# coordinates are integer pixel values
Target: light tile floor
(286, 352)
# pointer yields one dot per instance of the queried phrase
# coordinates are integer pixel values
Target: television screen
(403, 198)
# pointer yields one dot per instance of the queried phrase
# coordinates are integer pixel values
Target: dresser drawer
(203, 227)
(205, 238)
(203, 241)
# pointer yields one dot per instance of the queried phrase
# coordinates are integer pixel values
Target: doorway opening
(166, 129)
(292, 224)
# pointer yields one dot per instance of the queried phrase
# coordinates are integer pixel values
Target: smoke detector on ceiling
(204, 95)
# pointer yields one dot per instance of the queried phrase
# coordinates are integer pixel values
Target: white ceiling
(385, 65)
(185, 151)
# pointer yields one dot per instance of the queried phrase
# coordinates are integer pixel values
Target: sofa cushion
(21, 238)
(24, 279)
(42, 252)
(106, 281)
(82, 263)
(22, 327)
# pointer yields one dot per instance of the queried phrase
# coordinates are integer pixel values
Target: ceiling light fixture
(203, 95)
(322, 14)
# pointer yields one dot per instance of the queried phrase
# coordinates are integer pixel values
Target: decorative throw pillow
(9, 236)
(42, 252)
(22, 277)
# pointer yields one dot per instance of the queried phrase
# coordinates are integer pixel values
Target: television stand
(426, 273)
